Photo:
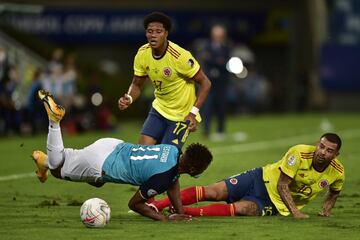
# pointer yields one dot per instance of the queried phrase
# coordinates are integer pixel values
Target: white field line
(283, 142)
(17, 176)
(244, 147)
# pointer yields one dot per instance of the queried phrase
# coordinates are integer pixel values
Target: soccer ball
(95, 213)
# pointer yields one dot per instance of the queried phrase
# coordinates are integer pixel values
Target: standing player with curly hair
(173, 72)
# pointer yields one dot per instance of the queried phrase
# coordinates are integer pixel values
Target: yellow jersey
(171, 77)
(297, 164)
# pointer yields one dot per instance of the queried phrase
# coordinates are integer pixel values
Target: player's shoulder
(303, 150)
(144, 47)
(337, 165)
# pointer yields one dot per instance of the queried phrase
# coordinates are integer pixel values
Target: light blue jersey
(136, 164)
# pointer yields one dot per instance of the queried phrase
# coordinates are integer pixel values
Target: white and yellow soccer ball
(95, 213)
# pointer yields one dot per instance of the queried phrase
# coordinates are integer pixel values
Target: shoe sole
(45, 99)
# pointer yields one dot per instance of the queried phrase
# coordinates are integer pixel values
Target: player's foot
(39, 157)
(54, 111)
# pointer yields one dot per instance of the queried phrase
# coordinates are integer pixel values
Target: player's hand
(324, 214)
(300, 215)
(179, 217)
(193, 123)
(124, 102)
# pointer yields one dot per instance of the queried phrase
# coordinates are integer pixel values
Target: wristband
(194, 110)
(129, 97)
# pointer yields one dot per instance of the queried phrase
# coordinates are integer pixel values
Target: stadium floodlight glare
(234, 65)
(96, 99)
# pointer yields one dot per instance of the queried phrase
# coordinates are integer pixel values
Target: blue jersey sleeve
(159, 183)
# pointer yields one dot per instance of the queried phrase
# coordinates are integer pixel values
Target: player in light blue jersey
(155, 169)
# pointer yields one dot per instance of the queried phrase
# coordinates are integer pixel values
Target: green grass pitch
(32, 210)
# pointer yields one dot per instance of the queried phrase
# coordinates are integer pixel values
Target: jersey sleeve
(338, 184)
(290, 163)
(139, 69)
(159, 183)
(188, 66)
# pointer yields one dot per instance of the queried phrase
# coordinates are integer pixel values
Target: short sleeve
(139, 69)
(338, 184)
(188, 66)
(290, 163)
(159, 183)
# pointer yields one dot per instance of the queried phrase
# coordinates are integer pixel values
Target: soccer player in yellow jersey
(283, 187)
(173, 72)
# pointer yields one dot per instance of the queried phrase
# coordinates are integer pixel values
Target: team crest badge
(291, 160)
(167, 72)
(323, 183)
(233, 181)
(151, 192)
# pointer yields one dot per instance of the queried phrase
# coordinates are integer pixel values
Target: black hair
(198, 156)
(334, 138)
(158, 17)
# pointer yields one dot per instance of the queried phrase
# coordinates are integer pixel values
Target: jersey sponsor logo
(167, 72)
(191, 62)
(151, 192)
(323, 183)
(291, 160)
(165, 154)
(233, 181)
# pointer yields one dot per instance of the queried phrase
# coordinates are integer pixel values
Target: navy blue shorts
(164, 130)
(250, 186)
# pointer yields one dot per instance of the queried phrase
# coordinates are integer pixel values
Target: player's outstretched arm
(137, 204)
(133, 93)
(174, 195)
(284, 192)
(329, 203)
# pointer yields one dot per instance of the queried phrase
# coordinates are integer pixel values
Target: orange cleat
(40, 157)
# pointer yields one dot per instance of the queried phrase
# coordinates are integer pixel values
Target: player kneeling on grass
(283, 187)
(155, 168)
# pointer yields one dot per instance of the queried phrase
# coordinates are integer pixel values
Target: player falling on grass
(173, 72)
(155, 169)
(283, 187)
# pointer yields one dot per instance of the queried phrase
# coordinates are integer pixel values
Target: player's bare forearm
(137, 204)
(329, 203)
(133, 92)
(205, 86)
(284, 192)
(136, 86)
(174, 196)
(146, 211)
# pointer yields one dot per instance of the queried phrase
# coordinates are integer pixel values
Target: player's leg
(191, 195)
(215, 192)
(55, 146)
(247, 196)
(86, 164)
(176, 133)
(153, 128)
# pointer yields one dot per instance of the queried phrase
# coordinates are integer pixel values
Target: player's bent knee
(216, 192)
(246, 208)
